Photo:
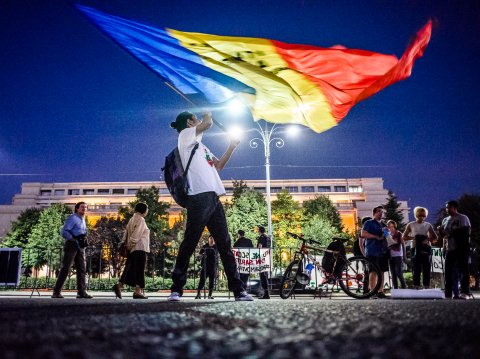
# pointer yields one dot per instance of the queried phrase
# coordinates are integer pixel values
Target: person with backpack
(203, 205)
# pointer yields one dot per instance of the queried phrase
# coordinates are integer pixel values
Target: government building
(354, 198)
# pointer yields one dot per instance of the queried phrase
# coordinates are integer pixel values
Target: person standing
(209, 267)
(376, 248)
(204, 208)
(243, 242)
(456, 228)
(137, 237)
(74, 232)
(397, 255)
(263, 242)
(421, 234)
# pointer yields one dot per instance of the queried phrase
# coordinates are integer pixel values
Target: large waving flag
(283, 83)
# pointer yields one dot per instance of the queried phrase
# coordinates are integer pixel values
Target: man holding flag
(203, 207)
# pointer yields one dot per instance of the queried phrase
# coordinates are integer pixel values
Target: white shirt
(418, 229)
(202, 175)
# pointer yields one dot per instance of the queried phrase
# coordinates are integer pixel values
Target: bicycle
(351, 274)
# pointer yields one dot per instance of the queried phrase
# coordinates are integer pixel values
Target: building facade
(354, 198)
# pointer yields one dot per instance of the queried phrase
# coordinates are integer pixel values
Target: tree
(46, 243)
(157, 217)
(19, 234)
(239, 188)
(286, 217)
(157, 222)
(104, 241)
(320, 229)
(322, 207)
(392, 210)
(246, 212)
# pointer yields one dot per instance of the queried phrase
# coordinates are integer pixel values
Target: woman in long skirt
(137, 237)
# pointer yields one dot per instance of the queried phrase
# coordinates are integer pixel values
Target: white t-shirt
(418, 229)
(202, 175)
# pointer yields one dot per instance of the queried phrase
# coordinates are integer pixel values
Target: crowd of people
(381, 242)
(386, 246)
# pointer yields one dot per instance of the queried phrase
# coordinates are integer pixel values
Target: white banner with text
(252, 260)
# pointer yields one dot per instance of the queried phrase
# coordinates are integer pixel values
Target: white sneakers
(174, 297)
(466, 296)
(243, 297)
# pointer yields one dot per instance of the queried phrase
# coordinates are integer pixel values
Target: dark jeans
(457, 258)
(397, 273)
(72, 254)
(204, 274)
(264, 281)
(244, 278)
(205, 209)
(421, 265)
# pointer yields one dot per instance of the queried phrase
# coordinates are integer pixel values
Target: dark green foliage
(248, 211)
(392, 210)
(19, 234)
(322, 207)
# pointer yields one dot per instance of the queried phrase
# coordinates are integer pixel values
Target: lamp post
(267, 137)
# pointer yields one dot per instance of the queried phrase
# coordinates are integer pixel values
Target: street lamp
(267, 137)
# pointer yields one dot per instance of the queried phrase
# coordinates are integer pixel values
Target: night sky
(74, 106)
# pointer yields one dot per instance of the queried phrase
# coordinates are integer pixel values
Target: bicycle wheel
(289, 279)
(355, 275)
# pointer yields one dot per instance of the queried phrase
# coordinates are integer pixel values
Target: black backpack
(328, 261)
(175, 176)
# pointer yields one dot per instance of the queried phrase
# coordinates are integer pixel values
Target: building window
(324, 189)
(275, 189)
(164, 191)
(103, 191)
(132, 191)
(355, 189)
(73, 192)
(340, 188)
(89, 192)
(308, 189)
(118, 191)
(259, 189)
(229, 189)
(291, 189)
(59, 192)
(45, 192)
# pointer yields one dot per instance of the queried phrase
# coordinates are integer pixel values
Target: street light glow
(293, 130)
(236, 106)
(235, 132)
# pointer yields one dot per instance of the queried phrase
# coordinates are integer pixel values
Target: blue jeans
(397, 273)
(205, 210)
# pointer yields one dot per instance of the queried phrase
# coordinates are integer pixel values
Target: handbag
(123, 250)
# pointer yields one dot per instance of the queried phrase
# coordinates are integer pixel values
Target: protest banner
(252, 260)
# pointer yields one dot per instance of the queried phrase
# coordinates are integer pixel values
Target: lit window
(355, 189)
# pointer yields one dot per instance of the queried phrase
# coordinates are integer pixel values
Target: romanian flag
(282, 83)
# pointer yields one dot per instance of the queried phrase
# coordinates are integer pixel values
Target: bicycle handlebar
(296, 236)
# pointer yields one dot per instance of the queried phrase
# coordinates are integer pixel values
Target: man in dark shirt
(263, 242)
(243, 242)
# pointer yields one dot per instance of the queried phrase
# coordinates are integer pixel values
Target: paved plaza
(222, 328)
